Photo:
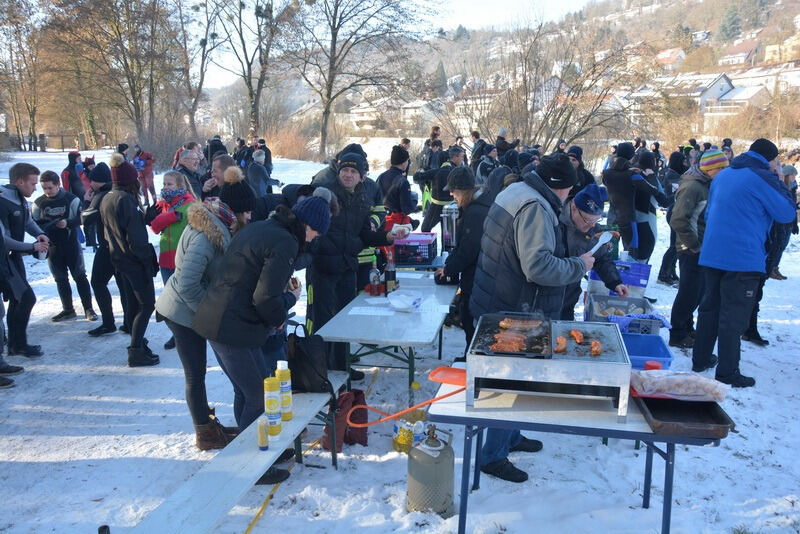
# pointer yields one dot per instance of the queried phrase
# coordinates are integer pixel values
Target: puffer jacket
(688, 213)
(170, 224)
(197, 260)
(247, 299)
(523, 265)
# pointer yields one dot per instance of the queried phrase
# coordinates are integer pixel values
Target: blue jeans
(497, 444)
(246, 368)
(274, 349)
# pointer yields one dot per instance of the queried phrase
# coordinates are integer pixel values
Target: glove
(151, 213)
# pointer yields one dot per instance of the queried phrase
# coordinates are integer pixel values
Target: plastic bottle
(284, 375)
(272, 404)
(263, 433)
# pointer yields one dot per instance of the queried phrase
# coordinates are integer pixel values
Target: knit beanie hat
(122, 147)
(399, 155)
(556, 171)
(789, 170)
(625, 150)
(765, 147)
(488, 149)
(355, 161)
(647, 160)
(713, 159)
(123, 173)
(511, 158)
(100, 174)
(461, 178)
(221, 210)
(523, 159)
(237, 194)
(315, 212)
(591, 198)
(576, 152)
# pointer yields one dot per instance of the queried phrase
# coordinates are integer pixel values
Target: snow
(86, 441)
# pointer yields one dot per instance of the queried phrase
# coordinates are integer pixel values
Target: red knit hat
(123, 173)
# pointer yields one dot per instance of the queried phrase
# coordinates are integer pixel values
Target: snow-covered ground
(86, 441)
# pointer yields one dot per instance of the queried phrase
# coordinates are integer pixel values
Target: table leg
(348, 359)
(410, 365)
(298, 450)
(476, 482)
(648, 475)
(462, 505)
(440, 341)
(669, 472)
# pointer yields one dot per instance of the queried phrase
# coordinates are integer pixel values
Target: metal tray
(607, 333)
(538, 343)
(685, 418)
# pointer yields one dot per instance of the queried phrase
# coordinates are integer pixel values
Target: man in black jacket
(59, 214)
(436, 179)
(332, 275)
(473, 203)
(502, 145)
(575, 154)
(394, 186)
(477, 150)
(16, 221)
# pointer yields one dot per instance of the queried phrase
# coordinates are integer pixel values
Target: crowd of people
(231, 238)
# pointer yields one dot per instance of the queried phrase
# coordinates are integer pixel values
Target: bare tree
(250, 30)
(349, 45)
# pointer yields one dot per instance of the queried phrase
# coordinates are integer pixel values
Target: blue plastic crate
(643, 347)
(634, 275)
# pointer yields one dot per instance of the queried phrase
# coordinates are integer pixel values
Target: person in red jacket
(144, 161)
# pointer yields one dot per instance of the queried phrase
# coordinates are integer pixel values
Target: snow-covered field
(86, 441)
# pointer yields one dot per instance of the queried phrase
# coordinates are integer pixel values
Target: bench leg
(648, 475)
(298, 450)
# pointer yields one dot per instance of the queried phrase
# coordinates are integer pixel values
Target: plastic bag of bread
(678, 385)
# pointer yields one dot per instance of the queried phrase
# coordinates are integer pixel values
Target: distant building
(670, 59)
(783, 77)
(734, 102)
(740, 53)
(789, 50)
(701, 37)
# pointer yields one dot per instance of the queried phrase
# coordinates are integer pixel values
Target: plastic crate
(634, 275)
(417, 249)
(643, 347)
(627, 306)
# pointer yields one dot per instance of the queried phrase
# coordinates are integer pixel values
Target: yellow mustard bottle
(263, 433)
(284, 376)
(272, 404)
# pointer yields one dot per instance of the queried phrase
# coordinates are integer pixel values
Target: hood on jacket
(676, 162)
(202, 220)
(694, 173)
(749, 159)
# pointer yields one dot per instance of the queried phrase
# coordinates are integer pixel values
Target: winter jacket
(247, 300)
(194, 180)
(436, 180)
(90, 217)
(350, 232)
(396, 191)
(126, 233)
(373, 192)
(258, 179)
(648, 194)
(74, 181)
(743, 202)
(463, 259)
(47, 211)
(618, 181)
(504, 146)
(485, 168)
(144, 162)
(477, 153)
(670, 180)
(494, 183)
(523, 264)
(16, 221)
(170, 224)
(197, 261)
(584, 178)
(579, 243)
(327, 176)
(688, 213)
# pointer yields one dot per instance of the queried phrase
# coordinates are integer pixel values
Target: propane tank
(430, 475)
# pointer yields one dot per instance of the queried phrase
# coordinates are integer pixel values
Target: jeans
(141, 300)
(723, 317)
(191, 349)
(246, 368)
(690, 291)
(60, 262)
(274, 349)
(498, 443)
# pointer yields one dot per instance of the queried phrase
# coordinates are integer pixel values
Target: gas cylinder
(431, 466)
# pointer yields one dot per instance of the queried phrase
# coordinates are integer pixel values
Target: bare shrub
(290, 142)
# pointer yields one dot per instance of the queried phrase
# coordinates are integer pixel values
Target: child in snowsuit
(58, 213)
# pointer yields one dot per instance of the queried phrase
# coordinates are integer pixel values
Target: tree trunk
(193, 122)
(253, 96)
(323, 131)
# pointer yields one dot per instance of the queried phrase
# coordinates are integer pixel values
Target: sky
(472, 14)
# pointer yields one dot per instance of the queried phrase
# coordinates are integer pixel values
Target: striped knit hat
(713, 159)
(221, 210)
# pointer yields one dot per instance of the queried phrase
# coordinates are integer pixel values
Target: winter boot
(210, 436)
(527, 445)
(754, 337)
(137, 357)
(63, 316)
(102, 329)
(29, 351)
(148, 351)
(230, 431)
(90, 315)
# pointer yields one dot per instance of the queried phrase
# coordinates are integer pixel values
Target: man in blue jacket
(743, 202)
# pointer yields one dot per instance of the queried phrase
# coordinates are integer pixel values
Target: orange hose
(388, 416)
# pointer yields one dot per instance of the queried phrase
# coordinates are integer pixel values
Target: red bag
(345, 434)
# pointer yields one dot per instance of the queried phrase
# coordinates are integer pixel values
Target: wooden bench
(198, 504)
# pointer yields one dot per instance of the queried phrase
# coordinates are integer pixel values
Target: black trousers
(432, 217)
(671, 254)
(191, 349)
(19, 313)
(728, 299)
(571, 295)
(327, 295)
(63, 263)
(467, 320)
(141, 300)
(102, 271)
(690, 291)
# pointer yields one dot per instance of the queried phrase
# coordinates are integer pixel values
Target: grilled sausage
(561, 345)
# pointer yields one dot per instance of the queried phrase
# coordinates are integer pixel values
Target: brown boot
(230, 431)
(210, 436)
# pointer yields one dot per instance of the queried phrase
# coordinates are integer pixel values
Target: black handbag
(308, 359)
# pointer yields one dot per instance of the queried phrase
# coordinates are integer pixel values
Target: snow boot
(148, 351)
(686, 343)
(230, 431)
(527, 445)
(210, 436)
(737, 380)
(137, 357)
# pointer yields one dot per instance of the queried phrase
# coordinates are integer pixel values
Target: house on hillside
(734, 102)
(789, 50)
(784, 77)
(421, 111)
(670, 59)
(701, 37)
(373, 115)
(740, 52)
